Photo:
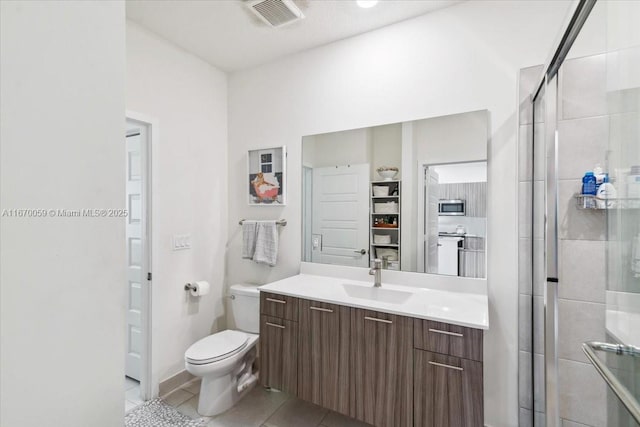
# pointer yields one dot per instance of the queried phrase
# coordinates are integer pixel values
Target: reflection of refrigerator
(448, 255)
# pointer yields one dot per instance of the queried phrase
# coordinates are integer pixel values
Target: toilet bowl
(225, 359)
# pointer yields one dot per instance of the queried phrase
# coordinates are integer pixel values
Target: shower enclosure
(579, 256)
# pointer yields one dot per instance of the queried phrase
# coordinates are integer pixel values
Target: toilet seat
(216, 347)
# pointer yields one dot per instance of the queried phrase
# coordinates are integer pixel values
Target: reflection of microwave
(454, 207)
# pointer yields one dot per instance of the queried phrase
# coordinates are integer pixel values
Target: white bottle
(606, 194)
(600, 175)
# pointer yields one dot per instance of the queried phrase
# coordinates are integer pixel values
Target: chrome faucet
(376, 271)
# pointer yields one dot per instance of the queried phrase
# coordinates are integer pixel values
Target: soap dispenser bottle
(589, 184)
(606, 194)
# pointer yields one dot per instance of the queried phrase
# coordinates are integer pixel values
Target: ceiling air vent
(276, 13)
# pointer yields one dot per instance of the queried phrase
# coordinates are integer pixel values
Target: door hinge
(149, 276)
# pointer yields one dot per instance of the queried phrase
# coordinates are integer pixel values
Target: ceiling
(226, 34)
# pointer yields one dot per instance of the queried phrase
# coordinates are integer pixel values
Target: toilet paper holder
(189, 287)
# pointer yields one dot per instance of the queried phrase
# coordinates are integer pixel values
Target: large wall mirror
(413, 194)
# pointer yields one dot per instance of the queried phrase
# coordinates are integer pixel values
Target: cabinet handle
(442, 365)
(326, 310)
(275, 325)
(377, 320)
(279, 301)
(438, 331)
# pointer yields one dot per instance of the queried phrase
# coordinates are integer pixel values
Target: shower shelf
(595, 203)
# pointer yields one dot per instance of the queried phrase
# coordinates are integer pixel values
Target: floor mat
(156, 413)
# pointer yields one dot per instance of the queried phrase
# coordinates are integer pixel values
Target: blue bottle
(589, 184)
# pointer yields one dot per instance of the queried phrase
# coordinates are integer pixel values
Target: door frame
(421, 243)
(149, 383)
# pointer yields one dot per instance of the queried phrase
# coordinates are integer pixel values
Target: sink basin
(390, 296)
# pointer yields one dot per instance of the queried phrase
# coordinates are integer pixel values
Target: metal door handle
(377, 320)
(326, 310)
(438, 331)
(279, 301)
(361, 251)
(274, 325)
(442, 365)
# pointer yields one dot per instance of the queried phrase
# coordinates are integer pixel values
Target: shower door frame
(549, 82)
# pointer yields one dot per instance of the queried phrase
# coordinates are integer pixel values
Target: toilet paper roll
(200, 288)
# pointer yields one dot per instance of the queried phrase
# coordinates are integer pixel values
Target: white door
(340, 231)
(136, 235)
(432, 197)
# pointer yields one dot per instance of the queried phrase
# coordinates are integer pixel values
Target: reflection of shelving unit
(378, 250)
(591, 202)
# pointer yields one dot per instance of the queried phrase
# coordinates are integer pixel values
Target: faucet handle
(377, 263)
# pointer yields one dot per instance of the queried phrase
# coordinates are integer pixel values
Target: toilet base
(220, 394)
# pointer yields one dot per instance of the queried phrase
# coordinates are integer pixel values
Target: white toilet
(225, 359)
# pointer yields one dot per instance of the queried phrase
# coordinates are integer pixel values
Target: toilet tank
(245, 307)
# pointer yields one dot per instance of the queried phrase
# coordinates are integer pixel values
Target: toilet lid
(216, 347)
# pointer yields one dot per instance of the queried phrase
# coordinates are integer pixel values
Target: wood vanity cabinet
(381, 368)
(448, 384)
(282, 306)
(386, 370)
(279, 342)
(323, 355)
(447, 391)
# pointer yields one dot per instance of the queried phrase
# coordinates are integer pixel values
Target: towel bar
(281, 222)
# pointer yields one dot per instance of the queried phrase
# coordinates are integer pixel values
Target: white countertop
(458, 308)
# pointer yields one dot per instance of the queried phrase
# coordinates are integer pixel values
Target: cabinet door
(278, 353)
(276, 305)
(381, 369)
(448, 339)
(447, 391)
(323, 355)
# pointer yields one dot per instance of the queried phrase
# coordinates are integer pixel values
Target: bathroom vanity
(393, 356)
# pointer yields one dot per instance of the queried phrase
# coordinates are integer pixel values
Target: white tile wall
(578, 322)
(575, 224)
(582, 393)
(583, 87)
(582, 143)
(582, 270)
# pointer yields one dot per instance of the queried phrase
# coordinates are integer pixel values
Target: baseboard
(174, 382)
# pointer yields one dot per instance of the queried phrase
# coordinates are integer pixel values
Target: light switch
(316, 241)
(181, 242)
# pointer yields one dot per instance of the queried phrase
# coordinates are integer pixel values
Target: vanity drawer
(281, 306)
(448, 339)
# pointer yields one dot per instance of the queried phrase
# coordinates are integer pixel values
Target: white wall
(463, 58)
(386, 148)
(350, 147)
(62, 279)
(462, 172)
(452, 138)
(189, 189)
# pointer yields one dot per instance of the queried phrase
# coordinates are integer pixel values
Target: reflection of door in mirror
(453, 217)
(340, 200)
(431, 220)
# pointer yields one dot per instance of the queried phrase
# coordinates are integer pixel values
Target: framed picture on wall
(267, 169)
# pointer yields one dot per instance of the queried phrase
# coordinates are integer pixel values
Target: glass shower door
(591, 252)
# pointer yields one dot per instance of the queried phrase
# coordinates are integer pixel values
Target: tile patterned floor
(261, 408)
(131, 394)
